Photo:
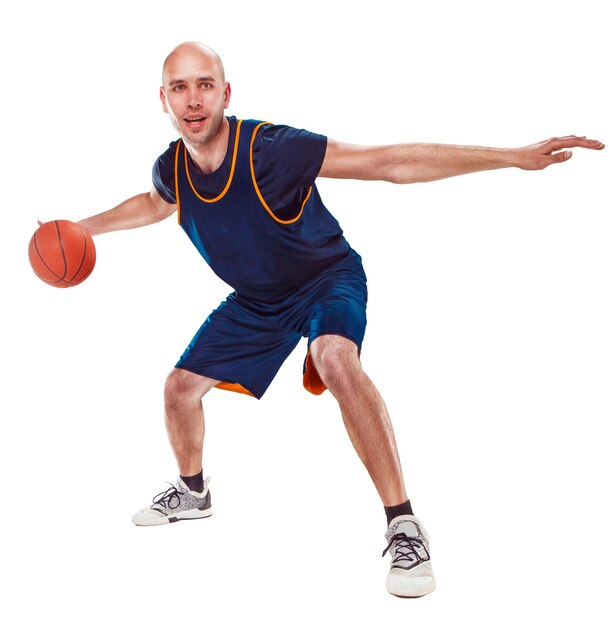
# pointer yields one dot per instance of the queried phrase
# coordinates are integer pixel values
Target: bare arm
(423, 162)
(141, 210)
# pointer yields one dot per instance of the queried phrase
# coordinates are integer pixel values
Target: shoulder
(288, 147)
(164, 165)
(169, 154)
(282, 134)
(287, 158)
(163, 173)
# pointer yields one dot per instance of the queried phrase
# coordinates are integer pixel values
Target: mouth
(194, 122)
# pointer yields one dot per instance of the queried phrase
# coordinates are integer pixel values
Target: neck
(208, 156)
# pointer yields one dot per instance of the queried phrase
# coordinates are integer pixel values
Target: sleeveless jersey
(261, 256)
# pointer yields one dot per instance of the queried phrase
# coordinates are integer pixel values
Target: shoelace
(406, 549)
(165, 497)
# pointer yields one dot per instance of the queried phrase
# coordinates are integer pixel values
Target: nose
(194, 100)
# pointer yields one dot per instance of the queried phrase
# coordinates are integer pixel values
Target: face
(195, 95)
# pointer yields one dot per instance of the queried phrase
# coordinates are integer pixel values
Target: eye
(207, 85)
(178, 88)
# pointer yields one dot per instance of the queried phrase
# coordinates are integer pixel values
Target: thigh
(337, 305)
(334, 304)
(241, 348)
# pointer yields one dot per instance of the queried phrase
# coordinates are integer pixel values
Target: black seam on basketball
(84, 255)
(61, 245)
(71, 283)
(49, 282)
(86, 275)
(45, 264)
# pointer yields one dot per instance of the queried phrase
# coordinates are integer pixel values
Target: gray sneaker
(411, 574)
(174, 504)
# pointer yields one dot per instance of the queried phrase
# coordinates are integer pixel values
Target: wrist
(513, 157)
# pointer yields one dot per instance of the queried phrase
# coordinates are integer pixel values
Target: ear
(227, 95)
(163, 100)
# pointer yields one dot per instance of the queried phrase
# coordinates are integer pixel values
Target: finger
(584, 142)
(40, 223)
(572, 141)
(559, 157)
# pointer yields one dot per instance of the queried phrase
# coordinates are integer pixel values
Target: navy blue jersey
(280, 153)
(261, 255)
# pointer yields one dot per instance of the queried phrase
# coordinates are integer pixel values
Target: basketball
(62, 253)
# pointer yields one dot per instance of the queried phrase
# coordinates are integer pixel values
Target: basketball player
(245, 194)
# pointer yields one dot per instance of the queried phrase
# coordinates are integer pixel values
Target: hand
(539, 155)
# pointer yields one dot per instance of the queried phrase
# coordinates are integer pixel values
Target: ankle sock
(194, 483)
(398, 509)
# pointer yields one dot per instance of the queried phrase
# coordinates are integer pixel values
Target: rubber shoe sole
(400, 583)
(148, 518)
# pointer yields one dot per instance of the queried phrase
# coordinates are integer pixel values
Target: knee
(183, 387)
(336, 360)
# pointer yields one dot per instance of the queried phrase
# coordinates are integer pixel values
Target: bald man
(244, 192)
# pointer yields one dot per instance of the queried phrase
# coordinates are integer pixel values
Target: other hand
(539, 155)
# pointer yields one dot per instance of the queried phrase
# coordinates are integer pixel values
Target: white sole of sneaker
(398, 584)
(192, 514)
(158, 521)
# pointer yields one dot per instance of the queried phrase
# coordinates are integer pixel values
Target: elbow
(399, 170)
(397, 179)
(399, 176)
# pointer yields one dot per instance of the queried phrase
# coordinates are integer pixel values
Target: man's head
(194, 92)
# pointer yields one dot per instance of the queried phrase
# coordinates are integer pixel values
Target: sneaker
(174, 504)
(411, 574)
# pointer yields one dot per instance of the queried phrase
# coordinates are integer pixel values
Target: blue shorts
(244, 342)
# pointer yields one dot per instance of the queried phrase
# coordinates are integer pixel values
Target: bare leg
(184, 417)
(364, 413)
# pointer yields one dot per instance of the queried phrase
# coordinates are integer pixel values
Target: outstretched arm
(141, 210)
(423, 162)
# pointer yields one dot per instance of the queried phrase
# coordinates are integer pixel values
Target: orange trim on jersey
(234, 387)
(254, 180)
(233, 161)
(311, 378)
(176, 179)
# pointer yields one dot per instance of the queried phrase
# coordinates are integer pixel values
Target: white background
(488, 326)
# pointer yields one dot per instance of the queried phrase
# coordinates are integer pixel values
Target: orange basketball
(62, 253)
